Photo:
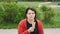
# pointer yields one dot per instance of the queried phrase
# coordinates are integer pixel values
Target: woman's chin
(30, 18)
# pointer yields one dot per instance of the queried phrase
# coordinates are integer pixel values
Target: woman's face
(30, 14)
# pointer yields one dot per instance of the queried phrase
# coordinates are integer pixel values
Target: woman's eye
(29, 13)
(32, 13)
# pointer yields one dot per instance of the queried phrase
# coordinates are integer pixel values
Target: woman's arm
(21, 29)
(40, 27)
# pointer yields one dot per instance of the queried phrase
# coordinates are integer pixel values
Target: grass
(8, 26)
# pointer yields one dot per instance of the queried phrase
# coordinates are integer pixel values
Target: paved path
(46, 31)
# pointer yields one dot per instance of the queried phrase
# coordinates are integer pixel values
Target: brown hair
(32, 10)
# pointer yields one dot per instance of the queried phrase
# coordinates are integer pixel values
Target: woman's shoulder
(22, 21)
(39, 21)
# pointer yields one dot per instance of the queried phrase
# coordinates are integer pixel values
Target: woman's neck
(30, 21)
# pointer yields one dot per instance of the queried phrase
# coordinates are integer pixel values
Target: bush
(11, 12)
(2, 14)
(8, 0)
(48, 14)
(21, 14)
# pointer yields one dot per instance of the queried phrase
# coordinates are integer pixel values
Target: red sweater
(22, 27)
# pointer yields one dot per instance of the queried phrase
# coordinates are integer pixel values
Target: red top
(22, 27)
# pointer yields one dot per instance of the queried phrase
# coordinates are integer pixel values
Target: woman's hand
(31, 29)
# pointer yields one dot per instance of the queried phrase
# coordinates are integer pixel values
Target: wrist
(29, 30)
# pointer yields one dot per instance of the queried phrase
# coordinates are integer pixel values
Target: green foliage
(8, 0)
(21, 14)
(2, 13)
(48, 14)
(30, 0)
(10, 12)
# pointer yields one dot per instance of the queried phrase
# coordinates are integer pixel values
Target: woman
(30, 25)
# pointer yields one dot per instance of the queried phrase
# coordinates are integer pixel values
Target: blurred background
(13, 11)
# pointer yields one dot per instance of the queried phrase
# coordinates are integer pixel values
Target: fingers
(31, 29)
